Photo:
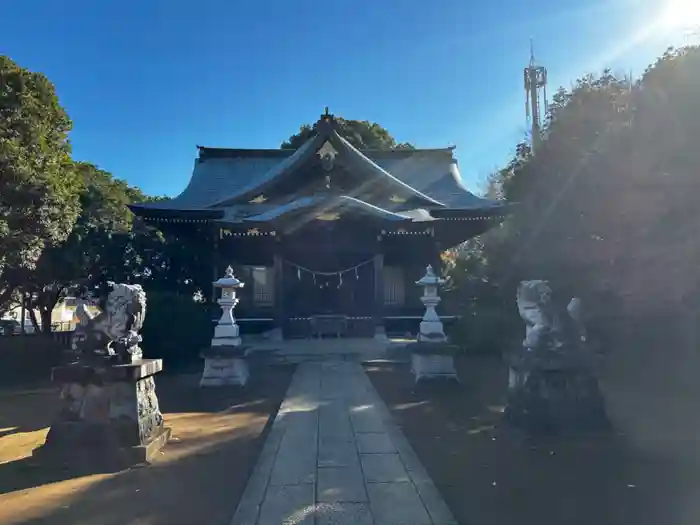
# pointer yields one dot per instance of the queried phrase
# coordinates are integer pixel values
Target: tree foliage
(93, 251)
(606, 205)
(360, 133)
(38, 187)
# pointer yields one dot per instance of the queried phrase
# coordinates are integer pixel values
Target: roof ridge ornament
(327, 154)
(326, 123)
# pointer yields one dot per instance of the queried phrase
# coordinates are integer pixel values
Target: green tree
(606, 206)
(38, 186)
(360, 133)
(95, 247)
(607, 201)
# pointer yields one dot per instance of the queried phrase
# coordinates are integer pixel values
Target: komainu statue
(109, 415)
(552, 388)
(114, 332)
(542, 324)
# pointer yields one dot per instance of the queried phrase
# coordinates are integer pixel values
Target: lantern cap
(430, 279)
(228, 280)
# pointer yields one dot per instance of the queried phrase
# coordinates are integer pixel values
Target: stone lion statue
(114, 331)
(543, 323)
(534, 299)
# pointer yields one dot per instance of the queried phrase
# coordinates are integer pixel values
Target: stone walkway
(334, 456)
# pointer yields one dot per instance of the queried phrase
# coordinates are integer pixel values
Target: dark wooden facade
(327, 230)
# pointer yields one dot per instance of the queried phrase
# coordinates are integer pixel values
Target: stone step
(320, 358)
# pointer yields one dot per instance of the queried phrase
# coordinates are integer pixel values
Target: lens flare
(680, 15)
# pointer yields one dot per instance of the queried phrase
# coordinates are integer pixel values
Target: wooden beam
(215, 260)
(279, 289)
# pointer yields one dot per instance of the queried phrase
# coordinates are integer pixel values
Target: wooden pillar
(379, 332)
(215, 260)
(279, 292)
(436, 261)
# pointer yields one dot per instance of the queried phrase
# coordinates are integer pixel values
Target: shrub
(176, 329)
(484, 330)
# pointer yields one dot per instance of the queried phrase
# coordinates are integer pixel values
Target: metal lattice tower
(535, 97)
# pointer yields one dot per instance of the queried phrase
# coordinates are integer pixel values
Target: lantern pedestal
(224, 361)
(225, 366)
(433, 361)
(432, 357)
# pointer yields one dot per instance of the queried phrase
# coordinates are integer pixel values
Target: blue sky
(145, 81)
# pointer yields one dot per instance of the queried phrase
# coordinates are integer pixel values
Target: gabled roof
(346, 153)
(227, 179)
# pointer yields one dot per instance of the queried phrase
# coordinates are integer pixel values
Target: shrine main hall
(326, 231)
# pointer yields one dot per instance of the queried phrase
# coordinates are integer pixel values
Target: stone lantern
(224, 361)
(431, 327)
(432, 355)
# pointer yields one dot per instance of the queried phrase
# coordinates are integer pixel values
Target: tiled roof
(224, 179)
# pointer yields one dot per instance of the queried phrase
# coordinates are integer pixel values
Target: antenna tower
(535, 97)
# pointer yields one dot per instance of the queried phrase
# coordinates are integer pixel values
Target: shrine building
(327, 230)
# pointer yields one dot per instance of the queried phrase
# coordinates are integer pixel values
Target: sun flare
(680, 14)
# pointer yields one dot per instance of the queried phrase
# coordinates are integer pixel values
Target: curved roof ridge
(459, 182)
(377, 168)
(325, 204)
(364, 204)
(306, 150)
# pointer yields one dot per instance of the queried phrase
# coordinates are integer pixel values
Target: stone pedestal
(433, 361)
(109, 416)
(380, 334)
(225, 366)
(554, 398)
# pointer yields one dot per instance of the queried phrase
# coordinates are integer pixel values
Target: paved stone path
(334, 456)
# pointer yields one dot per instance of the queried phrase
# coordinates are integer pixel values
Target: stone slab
(437, 508)
(288, 505)
(294, 469)
(343, 514)
(341, 484)
(311, 469)
(397, 504)
(338, 454)
(79, 373)
(366, 421)
(335, 429)
(374, 443)
(383, 468)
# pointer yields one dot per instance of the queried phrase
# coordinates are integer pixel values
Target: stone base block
(380, 334)
(109, 416)
(433, 366)
(555, 402)
(225, 371)
(274, 335)
(432, 338)
(102, 452)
